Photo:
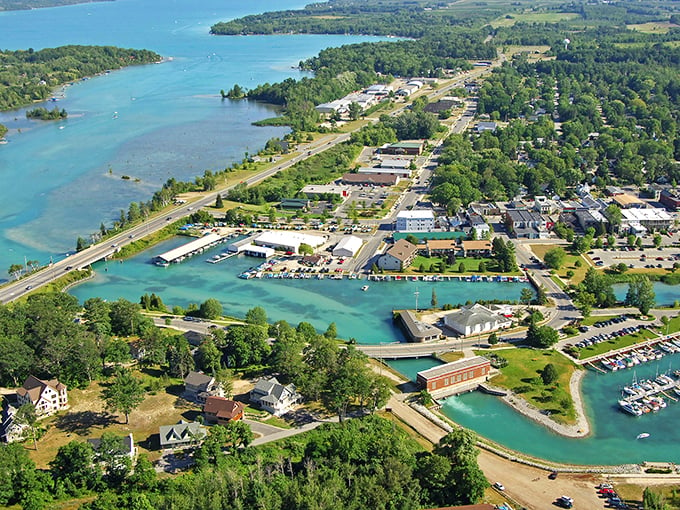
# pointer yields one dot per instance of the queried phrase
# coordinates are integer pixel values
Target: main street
(99, 251)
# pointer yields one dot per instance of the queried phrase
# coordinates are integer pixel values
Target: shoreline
(577, 430)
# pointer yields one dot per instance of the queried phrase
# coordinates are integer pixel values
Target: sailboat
(642, 436)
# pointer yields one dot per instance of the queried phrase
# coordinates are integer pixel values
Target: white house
(274, 397)
(10, 429)
(415, 221)
(475, 319)
(48, 397)
(348, 246)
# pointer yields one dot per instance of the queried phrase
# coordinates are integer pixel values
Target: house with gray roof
(181, 434)
(416, 330)
(199, 386)
(476, 319)
(274, 397)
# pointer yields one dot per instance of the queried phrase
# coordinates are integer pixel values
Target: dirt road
(532, 488)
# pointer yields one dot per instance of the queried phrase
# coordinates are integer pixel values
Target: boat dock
(219, 258)
(190, 249)
(644, 396)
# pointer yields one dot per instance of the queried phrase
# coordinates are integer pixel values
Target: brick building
(457, 375)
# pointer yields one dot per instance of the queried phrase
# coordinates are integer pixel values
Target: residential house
(10, 429)
(415, 221)
(477, 225)
(399, 256)
(476, 319)
(199, 386)
(127, 446)
(222, 410)
(486, 126)
(416, 330)
(274, 397)
(48, 397)
(181, 434)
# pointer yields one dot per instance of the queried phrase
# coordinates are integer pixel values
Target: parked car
(499, 486)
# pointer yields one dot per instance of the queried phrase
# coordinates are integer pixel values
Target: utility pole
(416, 294)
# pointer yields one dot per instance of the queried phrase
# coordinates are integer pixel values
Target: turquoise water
(61, 179)
(366, 316)
(411, 367)
(666, 295)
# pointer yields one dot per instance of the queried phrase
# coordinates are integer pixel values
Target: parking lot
(607, 330)
(636, 258)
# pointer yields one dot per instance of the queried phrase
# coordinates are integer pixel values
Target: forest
(28, 75)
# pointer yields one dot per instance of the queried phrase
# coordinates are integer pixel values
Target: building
(588, 218)
(482, 248)
(378, 90)
(10, 429)
(399, 256)
(444, 104)
(198, 387)
(348, 246)
(274, 397)
(478, 225)
(127, 446)
(222, 410)
(527, 224)
(287, 241)
(476, 319)
(415, 221)
(187, 250)
(653, 218)
(317, 190)
(370, 179)
(612, 191)
(301, 204)
(418, 331)
(437, 247)
(461, 374)
(486, 126)
(626, 201)
(402, 173)
(48, 397)
(670, 199)
(181, 434)
(411, 148)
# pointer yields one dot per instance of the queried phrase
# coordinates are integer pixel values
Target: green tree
(652, 500)
(657, 240)
(549, 374)
(493, 338)
(461, 267)
(74, 464)
(641, 294)
(256, 315)
(331, 332)
(210, 309)
(305, 249)
(219, 202)
(179, 358)
(81, 244)
(208, 356)
(27, 415)
(482, 266)
(554, 258)
(124, 394)
(526, 296)
(466, 482)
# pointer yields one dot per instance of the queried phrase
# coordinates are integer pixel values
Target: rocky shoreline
(580, 429)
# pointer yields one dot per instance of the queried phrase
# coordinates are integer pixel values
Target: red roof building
(221, 410)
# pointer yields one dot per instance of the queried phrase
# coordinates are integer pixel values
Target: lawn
(522, 376)
(673, 326)
(448, 357)
(589, 321)
(87, 418)
(653, 27)
(616, 343)
(471, 265)
(568, 265)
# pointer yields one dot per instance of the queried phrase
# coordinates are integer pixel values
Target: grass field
(534, 17)
(616, 343)
(653, 27)
(569, 263)
(522, 375)
(471, 265)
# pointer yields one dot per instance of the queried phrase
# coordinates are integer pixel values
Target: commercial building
(316, 190)
(670, 199)
(476, 319)
(416, 330)
(287, 241)
(412, 148)
(372, 179)
(527, 224)
(462, 374)
(626, 201)
(653, 218)
(402, 173)
(399, 256)
(415, 221)
(348, 246)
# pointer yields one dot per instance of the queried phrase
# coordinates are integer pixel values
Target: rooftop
(402, 250)
(190, 247)
(416, 328)
(419, 214)
(454, 365)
